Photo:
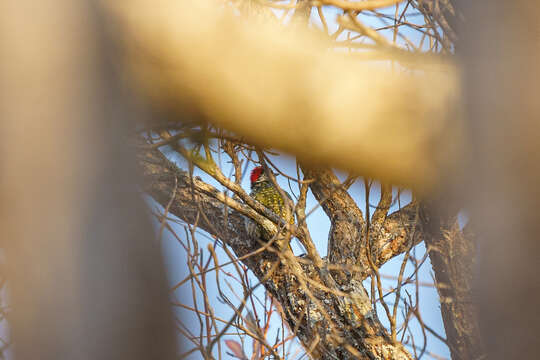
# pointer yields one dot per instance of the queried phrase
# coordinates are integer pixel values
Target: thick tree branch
(452, 255)
(394, 235)
(390, 235)
(384, 204)
(347, 223)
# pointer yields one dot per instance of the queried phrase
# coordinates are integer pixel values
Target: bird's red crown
(256, 173)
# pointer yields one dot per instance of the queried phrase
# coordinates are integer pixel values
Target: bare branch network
(322, 300)
(316, 296)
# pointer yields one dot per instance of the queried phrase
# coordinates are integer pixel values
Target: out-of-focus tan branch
(77, 247)
(284, 89)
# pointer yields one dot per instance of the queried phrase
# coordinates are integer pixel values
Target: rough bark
(332, 320)
(389, 235)
(452, 256)
(345, 244)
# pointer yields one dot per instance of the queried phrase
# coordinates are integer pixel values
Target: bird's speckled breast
(268, 195)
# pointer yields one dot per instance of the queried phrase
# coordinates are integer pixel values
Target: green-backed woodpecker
(264, 191)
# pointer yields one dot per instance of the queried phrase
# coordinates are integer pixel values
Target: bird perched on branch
(264, 191)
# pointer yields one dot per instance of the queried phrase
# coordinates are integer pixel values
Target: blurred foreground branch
(85, 279)
(500, 54)
(284, 88)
